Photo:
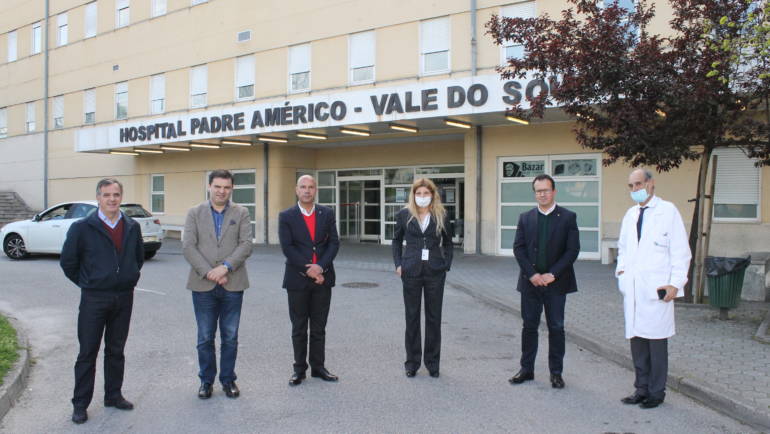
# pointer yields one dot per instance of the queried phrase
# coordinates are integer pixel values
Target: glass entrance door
(360, 209)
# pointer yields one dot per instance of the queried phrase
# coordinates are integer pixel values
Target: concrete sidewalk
(715, 362)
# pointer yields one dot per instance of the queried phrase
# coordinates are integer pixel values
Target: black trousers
(105, 313)
(309, 305)
(650, 366)
(533, 301)
(431, 284)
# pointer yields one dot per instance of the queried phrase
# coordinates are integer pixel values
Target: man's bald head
(305, 178)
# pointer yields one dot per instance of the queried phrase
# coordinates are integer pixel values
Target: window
(361, 49)
(434, 45)
(121, 100)
(157, 94)
(518, 10)
(122, 13)
(299, 68)
(244, 78)
(3, 122)
(197, 2)
(157, 194)
(89, 106)
(90, 20)
(158, 8)
(12, 49)
(37, 38)
(58, 111)
(62, 33)
(198, 86)
(30, 117)
(243, 36)
(737, 188)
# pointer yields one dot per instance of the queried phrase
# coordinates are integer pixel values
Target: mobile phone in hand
(661, 294)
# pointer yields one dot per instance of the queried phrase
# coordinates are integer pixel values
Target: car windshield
(135, 211)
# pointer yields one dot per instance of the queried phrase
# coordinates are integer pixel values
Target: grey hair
(306, 176)
(105, 182)
(647, 173)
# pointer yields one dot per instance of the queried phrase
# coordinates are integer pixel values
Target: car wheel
(14, 248)
(149, 255)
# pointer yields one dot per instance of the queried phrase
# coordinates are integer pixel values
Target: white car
(46, 232)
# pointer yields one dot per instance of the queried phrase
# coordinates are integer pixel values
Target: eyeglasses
(543, 192)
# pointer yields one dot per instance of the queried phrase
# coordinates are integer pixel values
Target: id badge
(424, 254)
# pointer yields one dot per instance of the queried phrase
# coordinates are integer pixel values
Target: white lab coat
(661, 257)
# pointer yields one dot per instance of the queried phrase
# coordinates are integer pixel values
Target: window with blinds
(199, 86)
(90, 20)
(30, 117)
(158, 8)
(434, 46)
(37, 38)
(89, 106)
(157, 94)
(737, 188)
(58, 111)
(3, 122)
(518, 10)
(122, 13)
(62, 34)
(361, 47)
(299, 68)
(121, 100)
(244, 78)
(12, 52)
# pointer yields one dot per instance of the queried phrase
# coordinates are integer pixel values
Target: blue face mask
(639, 196)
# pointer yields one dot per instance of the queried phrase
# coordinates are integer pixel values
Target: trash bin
(725, 280)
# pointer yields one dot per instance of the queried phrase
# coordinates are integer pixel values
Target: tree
(641, 98)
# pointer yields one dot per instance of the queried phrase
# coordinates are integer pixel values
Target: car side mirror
(36, 218)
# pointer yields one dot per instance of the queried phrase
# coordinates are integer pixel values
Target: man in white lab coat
(653, 259)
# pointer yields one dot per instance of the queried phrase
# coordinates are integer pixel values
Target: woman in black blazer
(422, 265)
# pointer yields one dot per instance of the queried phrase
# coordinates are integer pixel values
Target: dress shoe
(651, 403)
(556, 381)
(521, 377)
(120, 403)
(79, 415)
(296, 378)
(323, 374)
(205, 391)
(231, 390)
(411, 373)
(634, 398)
(434, 374)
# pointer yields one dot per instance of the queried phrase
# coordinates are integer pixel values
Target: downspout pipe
(45, 105)
(265, 184)
(479, 137)
(474, 42)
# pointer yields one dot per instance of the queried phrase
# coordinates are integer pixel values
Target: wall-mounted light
(458, 124)
(174, 148)
(517, 120)
(353, 132)
(148, 151)
(204, 145)
(235, 143)
(272, 139)
(400, 127)
(311, 136)
(123, 153)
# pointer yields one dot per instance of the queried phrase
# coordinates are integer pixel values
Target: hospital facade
(365, 96)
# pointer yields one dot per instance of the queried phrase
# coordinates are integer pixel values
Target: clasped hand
(315, 272)
(218, 274)
(544, 279)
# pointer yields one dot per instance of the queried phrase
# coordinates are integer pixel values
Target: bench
(609, 250)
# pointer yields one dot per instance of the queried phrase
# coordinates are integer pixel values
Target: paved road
(364, 347)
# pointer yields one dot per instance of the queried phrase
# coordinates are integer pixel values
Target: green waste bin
(725, 281)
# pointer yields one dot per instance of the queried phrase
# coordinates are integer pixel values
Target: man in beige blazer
(216, 242)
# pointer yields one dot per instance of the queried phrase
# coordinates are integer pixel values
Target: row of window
(122, 19)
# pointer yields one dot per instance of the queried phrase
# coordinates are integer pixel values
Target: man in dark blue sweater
(102, 255)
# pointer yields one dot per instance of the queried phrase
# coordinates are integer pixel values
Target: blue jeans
(223, 306)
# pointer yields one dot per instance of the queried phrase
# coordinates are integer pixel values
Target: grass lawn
(8, 347)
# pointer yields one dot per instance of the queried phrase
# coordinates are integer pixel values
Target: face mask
(422, 202)
(639, 196)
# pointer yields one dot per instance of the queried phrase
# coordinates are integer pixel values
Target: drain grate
(360, 285)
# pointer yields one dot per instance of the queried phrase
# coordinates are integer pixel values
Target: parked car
(45, 232)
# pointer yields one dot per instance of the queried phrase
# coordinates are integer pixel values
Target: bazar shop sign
(469, 95)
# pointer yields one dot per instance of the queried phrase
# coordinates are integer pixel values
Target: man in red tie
(308, 235)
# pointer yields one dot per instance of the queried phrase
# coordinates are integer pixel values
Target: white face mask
(422, 202)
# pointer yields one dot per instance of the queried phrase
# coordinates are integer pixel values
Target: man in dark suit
(308, 235)
(547, 244)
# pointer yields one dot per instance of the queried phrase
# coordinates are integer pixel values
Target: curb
(15, 380)
(763, 332)
(707, 395)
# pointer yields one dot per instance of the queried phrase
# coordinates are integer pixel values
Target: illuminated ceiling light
(311, 136)
(458, 124)
(174, 148)
(406, 128)
(272, 139)
(123, 153)
(355, 132)
(517, 120)
(204, 145)
(148, 151)
(236, 143)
